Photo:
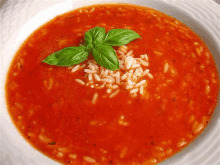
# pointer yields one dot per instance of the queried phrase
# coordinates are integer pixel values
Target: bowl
(20, 18)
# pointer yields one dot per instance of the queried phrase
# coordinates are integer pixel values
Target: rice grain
(89, 159)
(150, 75)
(97, 77)
(134, 90)
(131, 75)
(115, 93)
(140, 83)
(90, 77)
(130, 53)
(90, 71)
(108, 80)
(166, 66)
(141, 89)
(95, 98)
(75, 68)
(80, 81)
(72, 156)
(109, 91)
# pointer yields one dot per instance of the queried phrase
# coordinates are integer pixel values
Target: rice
(90, 76)
(124, 76)
(105, 72)
(97, 77)
(130, 53)
(83, 65)
(100, 87)
(196, 43)
(157, 53)
(198, 128)
(144, 63)
(118, 81)
(72, 156)
(141, 90)
(92, 67)
(80, 81)
(124, 47)
(135, 66)
(181, 143)
(115, 86)
(60, 154)
(95, 98)
(142, 56)
(108, 80)
(89, 159)
(93, 9)
(109, 91)
(121, 52)
(89, 71)
(63, 149)
(166, 66)
(134, 90)
(141, 70)
(75, 68)
(150, 75)
(140, 83)
(128, 62)
(146, 57)
(129, 87)
(110, 77)
(132, 76)
(145, 72)
(198, 51)
(31, 134)
(115, 93)
(43, 138)
(207, 89)
(130, 82)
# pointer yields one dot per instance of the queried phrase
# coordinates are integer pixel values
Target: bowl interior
(13, 144)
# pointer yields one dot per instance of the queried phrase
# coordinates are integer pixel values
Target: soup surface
(76, 123)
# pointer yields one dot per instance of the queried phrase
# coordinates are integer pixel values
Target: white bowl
(20, 18)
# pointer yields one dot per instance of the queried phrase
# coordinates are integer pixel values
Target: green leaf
(106, 57)
(88, 38)
(99, 43)
(52, 143)
(94, 37)
(68, 56)
(119, 37)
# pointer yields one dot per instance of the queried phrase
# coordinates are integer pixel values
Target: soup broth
(76, 119)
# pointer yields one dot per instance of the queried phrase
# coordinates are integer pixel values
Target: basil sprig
(97, 41)
(68, 56)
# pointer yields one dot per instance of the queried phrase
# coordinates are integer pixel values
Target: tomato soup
(78, 116)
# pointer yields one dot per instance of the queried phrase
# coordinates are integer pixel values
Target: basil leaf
(68, 56)
(99, 43)
(106, 57)
(119, 37)
(94, 36)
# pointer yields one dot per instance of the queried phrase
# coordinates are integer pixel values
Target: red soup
(159, 100)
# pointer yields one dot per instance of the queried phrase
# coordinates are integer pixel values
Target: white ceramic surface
(18, 18)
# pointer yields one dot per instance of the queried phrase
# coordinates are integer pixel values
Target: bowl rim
(6, 119)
